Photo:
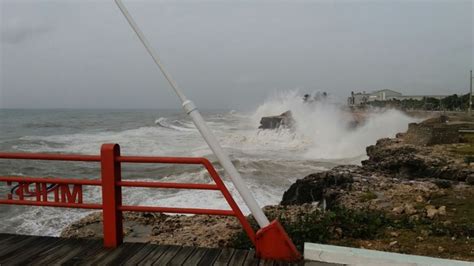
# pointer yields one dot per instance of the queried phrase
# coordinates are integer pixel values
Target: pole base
(273, 243)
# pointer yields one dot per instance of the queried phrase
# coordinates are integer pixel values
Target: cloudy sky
(228, 54)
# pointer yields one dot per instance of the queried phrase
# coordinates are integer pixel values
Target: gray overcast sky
(226, 54)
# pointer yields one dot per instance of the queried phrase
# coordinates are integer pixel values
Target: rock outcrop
(285, 120)
(395, 157)
(197, 230)
(319, 187)
(438, 130)
(434, 148)
(397, 175)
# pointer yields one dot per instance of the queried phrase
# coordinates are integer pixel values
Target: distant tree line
(450, 103)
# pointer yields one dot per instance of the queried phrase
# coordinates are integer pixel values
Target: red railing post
(111, 195)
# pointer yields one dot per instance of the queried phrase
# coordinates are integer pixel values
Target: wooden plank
(251, 260)
(26, 251)
(239, 257)
(266, 263)
(224, 257)
(6, 239)
(140, 254)
(117, 255)
(5, 235)
(16, 238)
(88, 251)
(154, 255)
(43, 255)
(209, 257)
(283, 263)
(127, 253)
(14, 244)
(181, 256)
(63, 252)
(28, 248)
(195, 257)
(97, 256)
(167, 255)
(132, 250)
(15, 254)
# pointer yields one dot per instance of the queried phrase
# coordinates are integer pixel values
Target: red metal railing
(60, 195)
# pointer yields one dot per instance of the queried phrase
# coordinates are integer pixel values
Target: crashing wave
(175, 125)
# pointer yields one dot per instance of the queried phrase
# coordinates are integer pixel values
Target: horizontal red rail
(87, 182)
(53, 204)
(165, 160)
(98, 182)
(51, 157)
(167, 185)
(175, 210)
(96, 158)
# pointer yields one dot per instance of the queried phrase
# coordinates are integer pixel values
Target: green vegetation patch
(451, 103)
(466, 149)
(321, 227)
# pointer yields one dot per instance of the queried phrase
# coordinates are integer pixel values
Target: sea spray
(327, 127)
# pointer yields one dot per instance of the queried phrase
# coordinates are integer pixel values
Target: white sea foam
(143, 140)
(175, 125)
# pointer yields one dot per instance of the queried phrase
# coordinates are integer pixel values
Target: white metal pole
(201, 125)
(470, 92)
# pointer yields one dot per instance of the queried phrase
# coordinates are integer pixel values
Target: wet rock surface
(321, 186)
(408, 161)
(285, 120)
(198, 230)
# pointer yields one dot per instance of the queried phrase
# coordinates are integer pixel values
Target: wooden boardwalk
(40, 250)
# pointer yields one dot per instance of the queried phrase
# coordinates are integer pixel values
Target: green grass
(467, 149)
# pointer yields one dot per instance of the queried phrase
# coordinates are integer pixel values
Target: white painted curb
(357, 256)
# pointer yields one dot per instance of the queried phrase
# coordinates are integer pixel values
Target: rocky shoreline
(414, 194)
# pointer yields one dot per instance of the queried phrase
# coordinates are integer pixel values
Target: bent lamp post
(271, 240)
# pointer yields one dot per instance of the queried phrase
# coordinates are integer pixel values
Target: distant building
(361, 98)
